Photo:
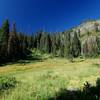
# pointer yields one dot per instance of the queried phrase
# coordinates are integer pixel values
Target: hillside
(88, 33)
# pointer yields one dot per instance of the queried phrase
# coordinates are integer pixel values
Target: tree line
(15, 45)
(68, 44)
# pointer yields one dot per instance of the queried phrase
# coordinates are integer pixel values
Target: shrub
(7, 82)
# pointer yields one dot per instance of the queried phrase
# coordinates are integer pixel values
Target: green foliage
(12, 45)
(75, 45)
(39, 55)
(90, 47)
(68, 44)
(7, 83)
(4, 35)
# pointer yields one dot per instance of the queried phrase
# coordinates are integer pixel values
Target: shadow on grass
(89, 92)
(24, 61)
(96, 65)
(81, 60)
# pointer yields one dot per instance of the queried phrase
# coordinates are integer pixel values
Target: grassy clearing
(42, 79)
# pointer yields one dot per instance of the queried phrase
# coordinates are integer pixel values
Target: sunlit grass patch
(41, 80)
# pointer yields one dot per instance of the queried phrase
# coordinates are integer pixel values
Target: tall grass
(42, 80)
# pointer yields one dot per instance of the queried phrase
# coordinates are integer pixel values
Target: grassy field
(39, 80)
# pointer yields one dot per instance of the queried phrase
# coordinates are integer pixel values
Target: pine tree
(67, 44)
(38, 36)
(62, 46)
(4, 35)
(13, 43)
(54, 45)
(90, 46)
(75, 45)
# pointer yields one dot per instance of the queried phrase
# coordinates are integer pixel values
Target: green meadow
(42, 79)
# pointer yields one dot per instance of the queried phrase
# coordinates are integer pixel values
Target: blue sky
(50, 15)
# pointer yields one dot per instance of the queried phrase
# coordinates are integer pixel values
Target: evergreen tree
(90, 46)
(62, 46)
(75, 45)
(13, 43)
(4, 35)
(54, 45)
(44, 43)
(67, 44)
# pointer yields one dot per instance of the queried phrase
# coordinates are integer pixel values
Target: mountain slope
(88, 33)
